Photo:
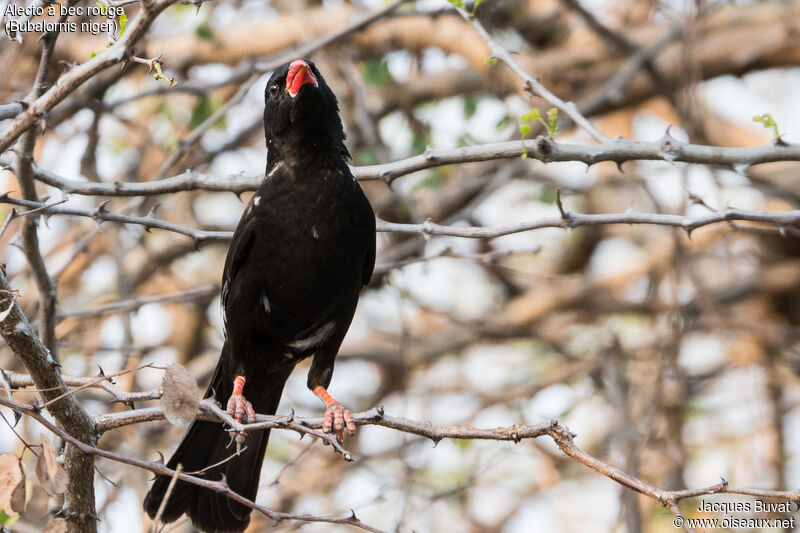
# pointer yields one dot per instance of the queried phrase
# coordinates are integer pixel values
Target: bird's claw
(240, 409)
(337, 418)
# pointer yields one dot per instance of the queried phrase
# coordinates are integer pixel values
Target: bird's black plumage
(303, 249)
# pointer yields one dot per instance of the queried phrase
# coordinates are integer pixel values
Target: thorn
(353, 514)
(724, 481)
(101, 209)
(101, 373)
(160, 457)
(436, 441)
(152, 212)
(564, 213)
(778, 141)
(667, 134)
(379, 409)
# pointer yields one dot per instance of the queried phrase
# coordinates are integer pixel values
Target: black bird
(303, 249)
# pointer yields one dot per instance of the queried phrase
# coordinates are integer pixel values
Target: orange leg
(238, 407)
(337, 417)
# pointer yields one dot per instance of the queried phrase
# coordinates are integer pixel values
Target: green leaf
(470, 105)
(204, 108)
(552, 117)
(5, 519)
(433, 181)
(376, 73)
(457, 3)
(768, 122)
(491, 61)
(533, 114)
(203, 31)
(547, 196)
(103, 9)
(123, 21)
(420, 142)
(524, 130)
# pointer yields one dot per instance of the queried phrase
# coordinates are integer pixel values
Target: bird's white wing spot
(257, 200)
(265, 303)
(318, 337)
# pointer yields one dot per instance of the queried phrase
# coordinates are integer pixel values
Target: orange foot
(238, 407)
(337, 416)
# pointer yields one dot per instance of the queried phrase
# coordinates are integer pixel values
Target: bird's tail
(207, 451)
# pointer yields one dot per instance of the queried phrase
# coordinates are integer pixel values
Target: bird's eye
(273, 90)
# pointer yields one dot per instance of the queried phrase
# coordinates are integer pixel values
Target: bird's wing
(241, 245)
(369, 264)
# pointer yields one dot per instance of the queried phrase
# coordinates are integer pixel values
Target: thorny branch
(617, 151)
(78, 75)
(19, 335)
(159, 468)
(784, 220)
(561, 435)
(532, 85)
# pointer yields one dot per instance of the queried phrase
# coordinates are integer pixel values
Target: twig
(486, 258)
(157, 519)
(532, 85)
(196, 293)
(573, 220)
(101, 215)
(18, 381)
(14, 214)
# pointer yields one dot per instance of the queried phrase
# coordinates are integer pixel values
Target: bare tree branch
(618, 151)
(196, 293)
(68, 412)
(561, 435)
(159, 468)
(781, 219)
(533, 85)
(70, 81)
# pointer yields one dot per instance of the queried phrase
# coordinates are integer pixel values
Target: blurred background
(673, 357)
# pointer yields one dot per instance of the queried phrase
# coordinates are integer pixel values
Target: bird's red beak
(299, 74)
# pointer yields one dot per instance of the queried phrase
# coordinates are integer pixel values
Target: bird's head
(301, 115)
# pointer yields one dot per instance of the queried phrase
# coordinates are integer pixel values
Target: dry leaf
(12, 484)
(56, 525)
(181, 396)
(50, 474)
